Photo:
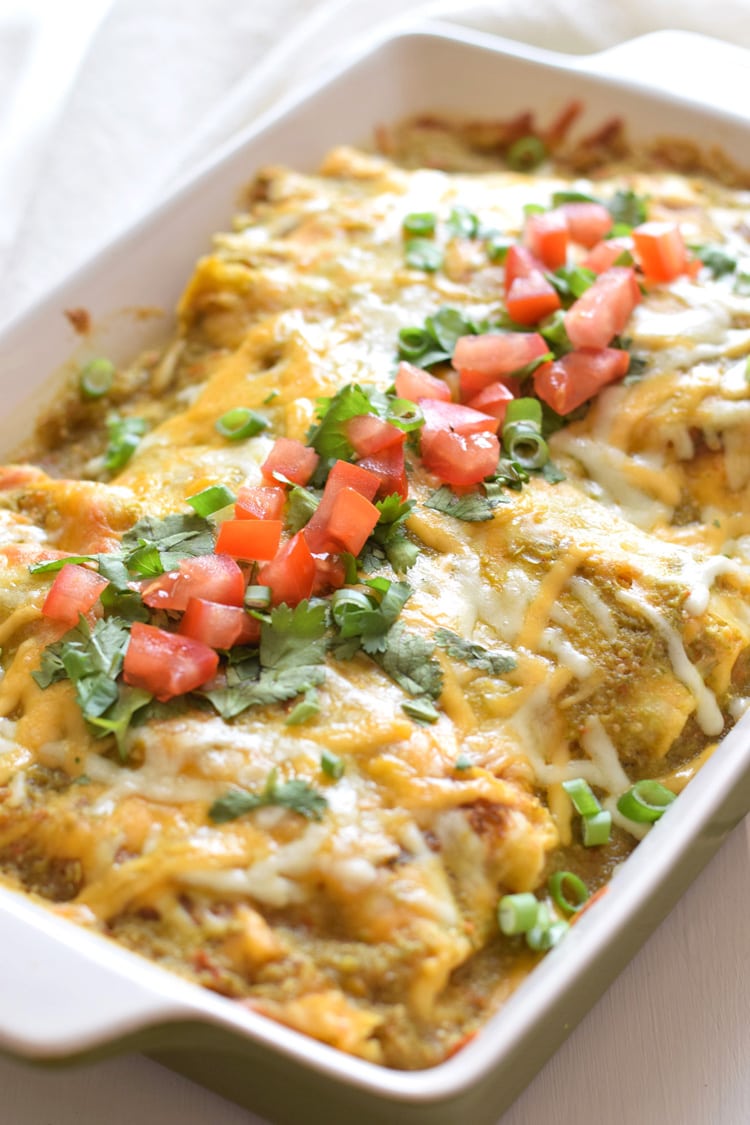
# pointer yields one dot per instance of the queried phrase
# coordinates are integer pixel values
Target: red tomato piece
(390, 469)
(604, 309)
(460, 459)
(260, 502)
(350, 521)
(74, 591)
(661, 250)
(295, 461)
(453, 416)
(497, 354)
(546, 236)
(520, 262)
(368, 434)
(249, 539)
(493, 400)
(166, 664)
(415, 383)
(531, 299)
(576, 377)
(217, 578)
(218, 626)
(330, 574)
(587, 223)
(291, 574)
(342, 475)
(605, 254)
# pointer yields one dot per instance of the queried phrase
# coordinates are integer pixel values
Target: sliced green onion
(270, 397)
(569, 892)
(304, 710)
(582, 796)
(96, 378)
(543, 938)
(211, 499)
(560, 197)
(422, 254)
(124, 438)
(405, 414)
(463, 223)
(497, 247)
(596, 829)
(526, 153)
(331, 764)
(463, 762)
(53, 565)
(421, 710)
(645, 802)
(533, 209)
(555, 333)
(516, 914)
(413, 342)
(420, 222)
(523, 443)
(239, 423)
(524, 410)
(258, 597)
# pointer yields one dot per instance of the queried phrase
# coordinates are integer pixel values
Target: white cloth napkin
(104, 103)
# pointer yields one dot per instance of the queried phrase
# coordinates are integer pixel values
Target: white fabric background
(103, 105)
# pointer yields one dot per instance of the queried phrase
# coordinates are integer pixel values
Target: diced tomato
(605, 254)
(218, 626)
(217, 578)
(342, 475)
(291, 574)
(460, 459)
(295, 461)
(546, 236)
(390, 469)
(532, 298)
(520, 262)
(74, 591)
(661, 250)
(249, 539)
(576, 377)
(604, 309)
(493, 400)
(260, 502)
(587, 222)
(494, 355)
(453, 416)
(350, 521)
(368, 434)
(330, 574)
(414, 383)
(166, 664)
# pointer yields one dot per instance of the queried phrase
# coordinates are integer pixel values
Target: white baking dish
(68, 994)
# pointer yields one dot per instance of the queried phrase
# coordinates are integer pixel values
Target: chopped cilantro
(436, 341)
(363, 619)
(408, 660)
(329, 438)
(118, 717)
(715, 258)
(552, 474)
(154, 545)
(475, 655)
(570, 282)
(296, 795)
(51, 566)
(389, 533)
(473, 507)
(561, 197)
(301, 504)
(627, 208)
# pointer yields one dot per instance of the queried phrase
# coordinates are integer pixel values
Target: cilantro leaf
(364, 619)
(51, 668)
(294, 637)
(301, 505)
(408, 660)
(627, 208)
(118, 717)
(329, 438)
(473, 507)
(570, 281)
(154, 545)
(716, 258)
(271, 687)
(551, 473)
(51, 566)
(475, 655)
(390, 536)
(296, 794)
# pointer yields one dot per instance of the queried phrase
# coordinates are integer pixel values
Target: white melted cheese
(554, 642)
(590, 597)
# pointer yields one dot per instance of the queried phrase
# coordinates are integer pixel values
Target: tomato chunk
(532, 298)
(493, 400)
(605, 254)
(546, 236)
(249, 539)
(292, 459)
(166, 664)
(214, 577)
(587, 223)
(604, 309)
(342, 475)
(260, 502)
(460, 459)
(520, 262)
(415, 383)
(350, 521)
(330, 574)
(496, 354)
(453, 416)
(74, 591)
(291, 574)
(389, 467)
(218, 626)
(368, 434)
(576, 377)
(661, 250)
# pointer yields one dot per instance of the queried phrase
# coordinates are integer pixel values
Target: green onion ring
(645, 802)
(523, 443)
(405, 414)
(582, 796)
(527, 410)
(568, 890)
(526, 154)
(211, 499)
(96, 378)
(596, 829)
(239, 423)
(420, 222)
(517, 914)
(413, 342)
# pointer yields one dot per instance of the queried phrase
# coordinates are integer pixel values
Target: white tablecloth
(104, 103)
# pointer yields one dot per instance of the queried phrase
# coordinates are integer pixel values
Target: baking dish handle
(65, 997)
(706, 70)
